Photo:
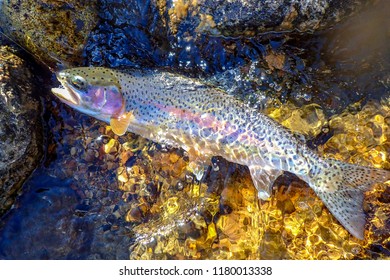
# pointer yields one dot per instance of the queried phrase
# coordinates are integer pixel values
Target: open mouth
(66, 95)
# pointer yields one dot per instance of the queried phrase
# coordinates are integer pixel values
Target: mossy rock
(20, 126)
(53, 31)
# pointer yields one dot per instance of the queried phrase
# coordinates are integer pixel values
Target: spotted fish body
(207, 122)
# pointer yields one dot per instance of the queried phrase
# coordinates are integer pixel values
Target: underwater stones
(361, 137)
(54, 31)
(308, 120)
(20, 126)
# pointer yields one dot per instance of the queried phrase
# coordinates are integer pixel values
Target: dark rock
(20, 126)
(238, 17)
(189, 34)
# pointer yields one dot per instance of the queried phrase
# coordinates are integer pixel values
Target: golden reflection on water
(184, 219)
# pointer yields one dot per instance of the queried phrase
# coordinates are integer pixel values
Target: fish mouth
(66, 95)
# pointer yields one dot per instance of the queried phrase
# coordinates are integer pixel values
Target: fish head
(95, 91)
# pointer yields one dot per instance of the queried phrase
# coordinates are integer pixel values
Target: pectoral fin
(263, 180)
(120, 124)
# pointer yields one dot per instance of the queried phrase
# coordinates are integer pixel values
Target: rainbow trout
(207, 122)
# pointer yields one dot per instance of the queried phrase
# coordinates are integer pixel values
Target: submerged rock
(54, 31)
(57, 31)
(247, 17)
(251, 17)
(20, 125)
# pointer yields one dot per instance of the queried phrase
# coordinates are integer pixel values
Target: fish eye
(78, 82)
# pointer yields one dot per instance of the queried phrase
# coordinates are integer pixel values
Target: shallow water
(99, 196)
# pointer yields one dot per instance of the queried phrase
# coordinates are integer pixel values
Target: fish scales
(206, 122)
(180, 110)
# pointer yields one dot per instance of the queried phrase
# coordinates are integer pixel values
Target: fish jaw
(64, 93)
(72, 99)
(67, 96)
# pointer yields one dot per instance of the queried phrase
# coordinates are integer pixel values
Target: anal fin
(198, 162)
(197, 168)
(263, 179)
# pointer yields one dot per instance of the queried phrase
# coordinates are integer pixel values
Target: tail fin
(341, 187)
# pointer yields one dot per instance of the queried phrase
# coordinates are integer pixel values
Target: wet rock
(248, 17)
(20, 125)
(194, 33)
(54, 31)
(238, 17)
